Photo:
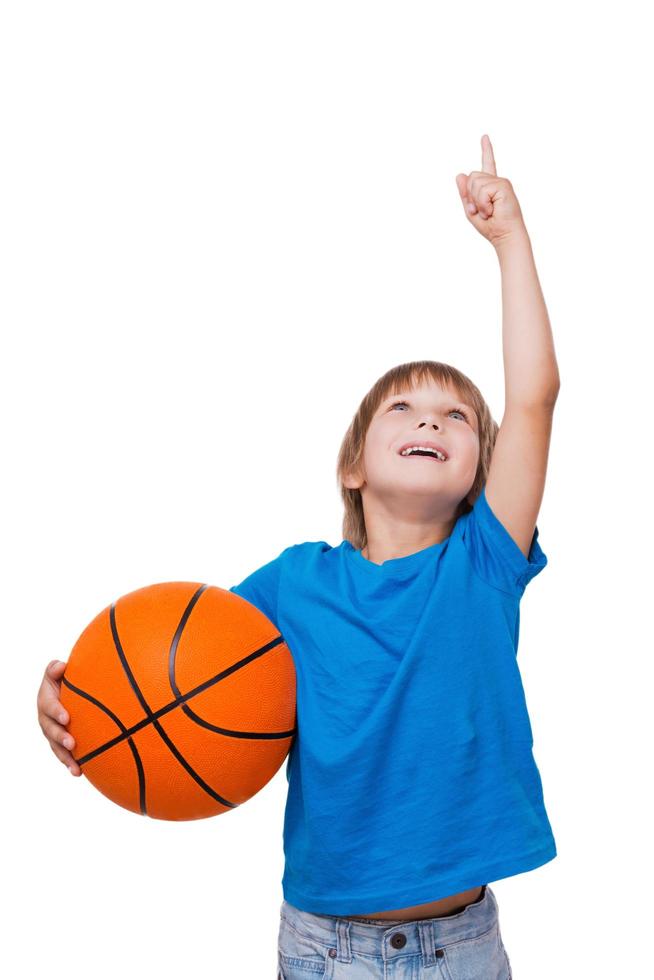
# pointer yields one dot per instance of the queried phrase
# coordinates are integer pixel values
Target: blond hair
(409, 376)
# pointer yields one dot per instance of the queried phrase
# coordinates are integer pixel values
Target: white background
(221, 223)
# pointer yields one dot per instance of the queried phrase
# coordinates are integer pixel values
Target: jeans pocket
(301, 956)
(477, 958)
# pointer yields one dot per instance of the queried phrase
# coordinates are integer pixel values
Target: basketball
(182, 700)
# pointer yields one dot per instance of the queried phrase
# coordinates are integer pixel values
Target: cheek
(376, 454)
(378, 439)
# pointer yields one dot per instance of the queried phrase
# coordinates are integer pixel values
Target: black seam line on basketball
(137, 758)
(187, 612)
(123, 659)
(191, 694)
(172, 658)
(176, 638)
(162, 734)
(198, 690)
(194, 775)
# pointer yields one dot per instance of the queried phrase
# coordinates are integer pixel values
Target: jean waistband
(389, 936)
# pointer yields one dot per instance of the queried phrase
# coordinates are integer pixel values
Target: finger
(55, 669)
(51, 707)
(487, 157)
(62, 744)
(55, 733)
(475, 179)
(483, 190)
(65, 756)
(471, 204)
(463, 184)
(48, 702)
(488, 194)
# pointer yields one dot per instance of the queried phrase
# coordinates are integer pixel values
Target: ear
(353, 480)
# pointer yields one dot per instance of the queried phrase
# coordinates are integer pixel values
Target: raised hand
(489, 201)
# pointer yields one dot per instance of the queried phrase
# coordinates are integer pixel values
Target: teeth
(425, 449)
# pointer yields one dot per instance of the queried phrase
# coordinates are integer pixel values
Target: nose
(427, 423)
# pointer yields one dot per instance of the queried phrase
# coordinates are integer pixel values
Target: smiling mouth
(424, 453)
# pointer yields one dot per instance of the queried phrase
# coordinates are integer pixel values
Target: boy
(411, 779)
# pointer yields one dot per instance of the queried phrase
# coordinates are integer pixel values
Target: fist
(489, 201)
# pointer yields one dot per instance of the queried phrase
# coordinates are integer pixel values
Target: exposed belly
(453, 903)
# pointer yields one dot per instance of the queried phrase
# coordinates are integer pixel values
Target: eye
(459, 410)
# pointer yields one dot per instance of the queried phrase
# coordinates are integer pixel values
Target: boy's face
(411, 417)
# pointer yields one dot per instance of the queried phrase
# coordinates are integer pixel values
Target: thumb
(469, 205)
(462, 185)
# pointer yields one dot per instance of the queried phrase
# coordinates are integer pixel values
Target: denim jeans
(465, 945)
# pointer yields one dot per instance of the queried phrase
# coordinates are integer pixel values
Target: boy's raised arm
(516, 477)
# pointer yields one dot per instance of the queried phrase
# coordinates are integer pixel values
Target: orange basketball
(181, 699)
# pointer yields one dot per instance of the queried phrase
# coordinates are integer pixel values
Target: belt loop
(427, 943)
(343, 950)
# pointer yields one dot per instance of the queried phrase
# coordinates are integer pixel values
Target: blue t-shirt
(411, 776)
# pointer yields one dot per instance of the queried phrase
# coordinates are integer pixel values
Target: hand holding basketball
(53, 717)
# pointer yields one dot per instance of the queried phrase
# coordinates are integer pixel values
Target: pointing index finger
(487, 158)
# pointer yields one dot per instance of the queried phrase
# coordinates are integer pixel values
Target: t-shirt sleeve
(496, 557)
(261, 587)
